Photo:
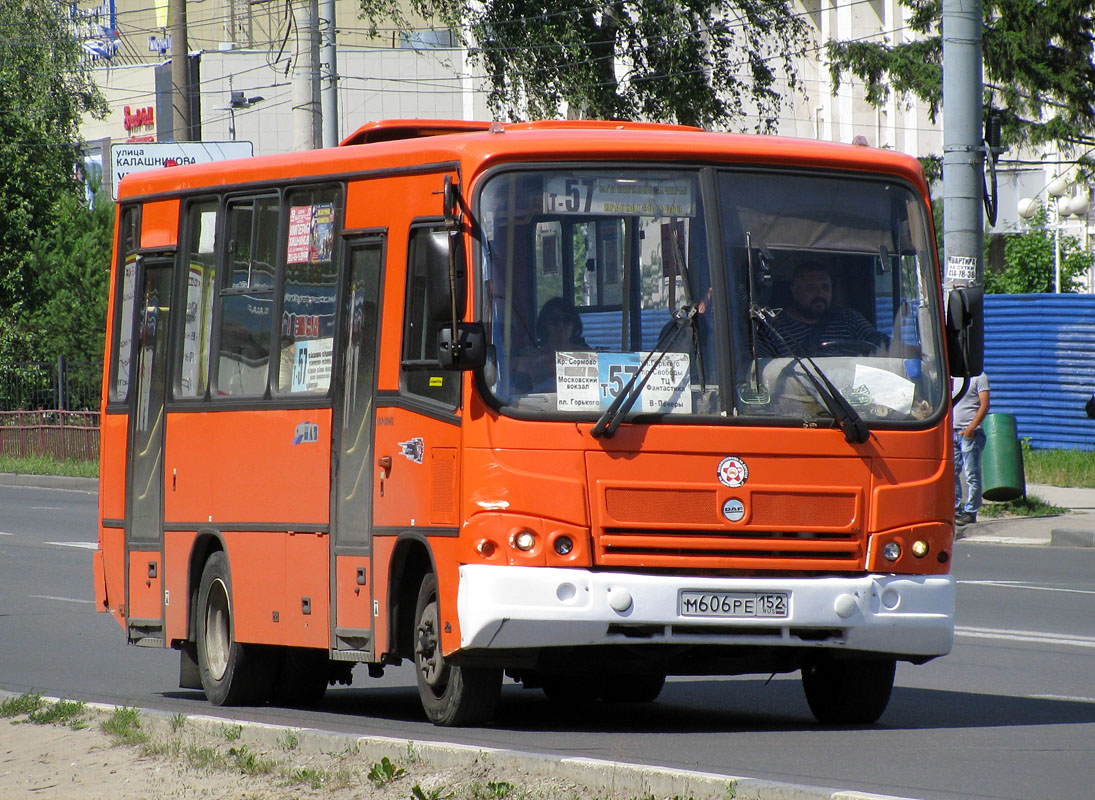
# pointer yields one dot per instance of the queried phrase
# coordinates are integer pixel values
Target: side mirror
(446, 273)
(966, 331)
(469, 351)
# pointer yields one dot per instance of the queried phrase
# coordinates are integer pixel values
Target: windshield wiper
(613, 415)
(855, 429)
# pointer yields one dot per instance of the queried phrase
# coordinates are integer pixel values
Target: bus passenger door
(352, 466)
(144, 517)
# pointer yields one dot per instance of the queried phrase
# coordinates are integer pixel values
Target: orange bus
(584, 404)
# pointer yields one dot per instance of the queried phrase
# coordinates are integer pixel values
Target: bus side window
(247, 297)
(421, 373)
(192, 369)
(125, 295)
(307, 328)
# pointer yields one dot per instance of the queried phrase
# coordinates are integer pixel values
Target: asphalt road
(1010, 713)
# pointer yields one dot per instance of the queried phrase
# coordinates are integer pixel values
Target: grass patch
(1029, 506)
(1059, 467)
(63, 712)
(48, 465)
(124, 726)
(21, 705)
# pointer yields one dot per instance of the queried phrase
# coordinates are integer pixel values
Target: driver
(810, 321)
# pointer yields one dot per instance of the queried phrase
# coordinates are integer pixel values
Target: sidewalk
(1075, 528)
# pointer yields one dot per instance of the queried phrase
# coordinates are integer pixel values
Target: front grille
(738, 549)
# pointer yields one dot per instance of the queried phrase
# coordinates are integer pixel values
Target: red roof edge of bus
(390, 130)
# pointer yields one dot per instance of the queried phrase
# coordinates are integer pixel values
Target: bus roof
(478, 144)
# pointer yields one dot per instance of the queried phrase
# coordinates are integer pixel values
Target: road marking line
(5, 533)
(47, 508)
(1029, 586)
(1069, 697)
(81, 545)
(62, 599)
(1030, 637)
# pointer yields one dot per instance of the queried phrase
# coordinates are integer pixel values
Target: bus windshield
(730, 290)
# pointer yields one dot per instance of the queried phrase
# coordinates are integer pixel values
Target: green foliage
(71, 266)
(310, 776)
(1037, 65)
(1059, 467)
(692, 62)
(247, 762)
(1030, 262)
(63, 712)
(436, 793)
(232, 732)
(23, 704)
(178, 720)
(124, 726)
(1027, 506)
(385, 772)
(47, 465)
(45, 88)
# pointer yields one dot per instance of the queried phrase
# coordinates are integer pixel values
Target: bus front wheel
(451, 695)
(231, 673)
(848, 692)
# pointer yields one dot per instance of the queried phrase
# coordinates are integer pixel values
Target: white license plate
(733, 604)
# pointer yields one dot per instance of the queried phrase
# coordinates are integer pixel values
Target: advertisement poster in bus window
(125, 335)
(311, 233)
(588, 381)
(195, 332)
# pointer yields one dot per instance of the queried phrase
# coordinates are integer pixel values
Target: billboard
(127, 157)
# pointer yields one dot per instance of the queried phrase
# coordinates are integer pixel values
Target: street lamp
(237, 101)
(1063, 206)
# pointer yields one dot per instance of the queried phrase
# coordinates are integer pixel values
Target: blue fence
(1040, 359)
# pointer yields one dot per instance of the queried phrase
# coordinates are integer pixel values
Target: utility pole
(963, 154)
(180, 72)
(306, 110)
(963, 176)
(328, 69)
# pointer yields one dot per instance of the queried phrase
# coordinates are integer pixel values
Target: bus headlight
(524, 540)
(891, 551)
(919, 548)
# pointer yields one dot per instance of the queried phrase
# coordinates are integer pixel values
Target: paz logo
(306, 432)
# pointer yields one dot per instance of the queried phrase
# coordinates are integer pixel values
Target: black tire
(451, 695)
(633, 688)
(231, 673)
(848, 692)
(302, 679)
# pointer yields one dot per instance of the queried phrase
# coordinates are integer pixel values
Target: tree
(1038, 73)
(1030, 262)
(695, 62)
(71, 265)
(45, 88)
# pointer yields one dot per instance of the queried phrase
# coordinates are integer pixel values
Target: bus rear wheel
(451, 695)
(231, 673)
(848, 692)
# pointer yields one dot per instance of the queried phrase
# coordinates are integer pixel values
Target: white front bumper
(522, 607)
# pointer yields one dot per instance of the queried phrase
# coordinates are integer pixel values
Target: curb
(49, 482)
(602, 778)
(1072, 537)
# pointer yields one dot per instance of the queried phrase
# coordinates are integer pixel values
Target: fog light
(892, 551)
(920, 548)
(485, 548)
(525, 540)
(563, 545)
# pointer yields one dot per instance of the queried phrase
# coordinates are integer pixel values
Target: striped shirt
(805, 338)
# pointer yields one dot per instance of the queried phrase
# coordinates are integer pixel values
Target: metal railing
(60, 385)
(64, 435)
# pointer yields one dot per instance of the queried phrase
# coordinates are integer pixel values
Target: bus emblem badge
(413, 449)
(732, 472)
(733, 509)
(306, 432)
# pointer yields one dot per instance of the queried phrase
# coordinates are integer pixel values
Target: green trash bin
(1002, 476)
